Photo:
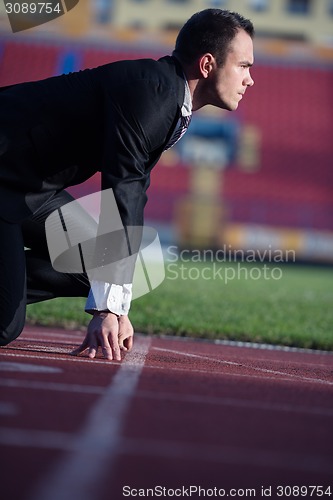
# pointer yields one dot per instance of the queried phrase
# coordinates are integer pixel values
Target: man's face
(227, 84)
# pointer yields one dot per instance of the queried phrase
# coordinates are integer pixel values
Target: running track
(172, 414)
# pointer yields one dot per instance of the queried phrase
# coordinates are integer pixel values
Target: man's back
(97, 119)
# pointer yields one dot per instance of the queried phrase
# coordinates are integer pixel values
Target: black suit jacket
(58, 132)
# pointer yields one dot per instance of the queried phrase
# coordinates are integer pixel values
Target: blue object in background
(212, 139)
(69, 61)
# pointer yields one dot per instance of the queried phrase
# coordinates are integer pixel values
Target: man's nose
(249, 81)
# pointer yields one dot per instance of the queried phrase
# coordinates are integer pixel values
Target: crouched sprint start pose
(117, 119)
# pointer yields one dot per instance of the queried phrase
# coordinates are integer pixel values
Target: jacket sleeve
(138, 121)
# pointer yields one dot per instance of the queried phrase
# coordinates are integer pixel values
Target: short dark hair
(210, 30)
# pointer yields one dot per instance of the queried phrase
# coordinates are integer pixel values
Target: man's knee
(12, 331)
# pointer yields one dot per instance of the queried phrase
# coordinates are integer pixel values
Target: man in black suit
(117, 119)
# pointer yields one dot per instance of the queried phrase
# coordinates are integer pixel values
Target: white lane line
(47, 348)
(67, 334)
(215, 373)
(248, 345)
(172, 450)
(36, 439)
(72, 341)
(8, 366)
(182, 398)
(272, 347)
(97, 445)
(76, 334)
(235, 403)
(48, 338)
(66, 357)
(242, 365)
(44, 348)
(51, 386)
(82, 359)
(177, 450)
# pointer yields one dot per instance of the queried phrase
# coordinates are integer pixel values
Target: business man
(117, 119)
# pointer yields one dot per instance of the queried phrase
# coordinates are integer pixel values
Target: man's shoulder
(163, 69)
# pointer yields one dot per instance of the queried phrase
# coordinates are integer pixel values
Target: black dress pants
(26, 272)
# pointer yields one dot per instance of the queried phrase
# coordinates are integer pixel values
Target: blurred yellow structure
(199, 216)
(306, 20)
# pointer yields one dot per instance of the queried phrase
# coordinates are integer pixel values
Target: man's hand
(103, 330)
(125, 335)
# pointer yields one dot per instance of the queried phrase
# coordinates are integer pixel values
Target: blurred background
(257, 178)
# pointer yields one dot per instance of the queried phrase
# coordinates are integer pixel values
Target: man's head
(215, 49)
(211, 30)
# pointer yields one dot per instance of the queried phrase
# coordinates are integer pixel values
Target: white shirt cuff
(107, 296)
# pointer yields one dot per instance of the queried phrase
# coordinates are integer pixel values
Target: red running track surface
(173, 414)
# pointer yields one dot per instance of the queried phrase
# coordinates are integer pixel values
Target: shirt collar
(187, 105)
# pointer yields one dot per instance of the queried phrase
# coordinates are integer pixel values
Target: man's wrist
(109, 297)
(104, 313)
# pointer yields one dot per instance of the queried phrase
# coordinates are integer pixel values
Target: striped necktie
(179, 132)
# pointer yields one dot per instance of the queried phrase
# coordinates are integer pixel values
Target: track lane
(199, 413)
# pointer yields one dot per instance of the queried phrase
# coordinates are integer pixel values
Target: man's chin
(231, 107)
(228, 106)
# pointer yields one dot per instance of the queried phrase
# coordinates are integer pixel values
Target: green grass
(295, 310)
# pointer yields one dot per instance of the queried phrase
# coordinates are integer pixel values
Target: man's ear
(207, 64)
